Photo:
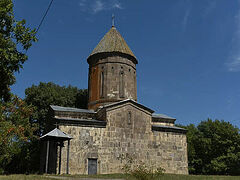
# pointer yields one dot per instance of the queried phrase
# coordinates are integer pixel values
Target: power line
(45, 14)
(50, 4)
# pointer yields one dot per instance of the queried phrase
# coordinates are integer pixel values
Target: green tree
(46, 94)
(220, 146)
(41, 97)
(15, 39)
(17, 133)
(213, 148)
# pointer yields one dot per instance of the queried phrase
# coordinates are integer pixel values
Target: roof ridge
(124, 101)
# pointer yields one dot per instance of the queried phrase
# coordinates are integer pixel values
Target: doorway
(92, 166)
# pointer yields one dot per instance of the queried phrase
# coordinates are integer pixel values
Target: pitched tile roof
(81, 122)
(163, 116)
(70, 109)
(168, 129)
(112, 42)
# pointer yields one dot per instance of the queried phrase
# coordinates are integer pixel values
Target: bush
(140, 171)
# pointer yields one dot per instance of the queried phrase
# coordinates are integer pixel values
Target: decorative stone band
(81, 122)
(94, 59)
(168, 129)
(114, 62)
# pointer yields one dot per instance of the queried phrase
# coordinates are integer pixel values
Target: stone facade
(115, 126)
(110, 74)
(110, 144)
(128, 132)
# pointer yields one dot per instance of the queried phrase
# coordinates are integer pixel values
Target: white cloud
(234, 66)
(82, 3)
(209, 8)
(96, 6)
(185, 19)
(117, 5)
(233, 63)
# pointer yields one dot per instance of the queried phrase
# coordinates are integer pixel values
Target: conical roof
(112, 42)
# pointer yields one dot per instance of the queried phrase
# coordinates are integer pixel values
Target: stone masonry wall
(111, 67)
(124, 135)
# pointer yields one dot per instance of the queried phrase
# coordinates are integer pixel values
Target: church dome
(113, 42)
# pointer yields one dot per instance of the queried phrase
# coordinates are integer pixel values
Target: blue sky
(188, 51)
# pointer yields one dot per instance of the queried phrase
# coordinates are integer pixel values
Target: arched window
(89, 80)
(102, 84)
(129, 117)
(121, 85)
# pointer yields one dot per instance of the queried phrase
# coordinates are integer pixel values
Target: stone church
(115, 126)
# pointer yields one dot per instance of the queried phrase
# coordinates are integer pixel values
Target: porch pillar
(47, 154)
(60, 158)
(67, 172)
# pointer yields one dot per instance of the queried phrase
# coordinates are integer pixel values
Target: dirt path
(78, 178)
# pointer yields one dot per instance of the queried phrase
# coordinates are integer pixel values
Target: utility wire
(40, 24)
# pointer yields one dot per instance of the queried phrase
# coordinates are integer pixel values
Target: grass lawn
(118, 176)
(163, 177)
(24, 177)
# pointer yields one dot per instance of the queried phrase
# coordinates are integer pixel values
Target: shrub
(140, 171)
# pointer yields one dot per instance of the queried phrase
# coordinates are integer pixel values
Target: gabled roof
(168, 129)
(126, 101)
(56, 133)
(162, 116)
(70, 109)
(81, 122)
(112, 42)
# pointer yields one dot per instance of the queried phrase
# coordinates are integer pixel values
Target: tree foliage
(17, 133)
(213, 148)
(15, 38)
(46, 94)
